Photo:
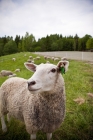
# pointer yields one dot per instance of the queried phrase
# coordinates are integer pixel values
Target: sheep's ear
(30, 66)
(63, 66)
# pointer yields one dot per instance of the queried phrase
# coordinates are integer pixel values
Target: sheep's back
(13, 92)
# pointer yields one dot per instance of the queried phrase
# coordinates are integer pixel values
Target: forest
(53, 42)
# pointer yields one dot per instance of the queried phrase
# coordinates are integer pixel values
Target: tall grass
(78, 123)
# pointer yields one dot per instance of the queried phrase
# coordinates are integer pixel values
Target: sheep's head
(45, 76)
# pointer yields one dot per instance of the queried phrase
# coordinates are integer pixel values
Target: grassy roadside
(78, 123)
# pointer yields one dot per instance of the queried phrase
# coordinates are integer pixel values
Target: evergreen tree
(76, 42)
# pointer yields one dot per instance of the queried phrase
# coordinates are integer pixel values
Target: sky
(46, 17)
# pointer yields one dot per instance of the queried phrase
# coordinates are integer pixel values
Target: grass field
(78, 123)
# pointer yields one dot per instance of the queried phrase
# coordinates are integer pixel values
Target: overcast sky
(45, 17)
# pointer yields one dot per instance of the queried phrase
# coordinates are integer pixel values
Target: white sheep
(29, 60)
(13, 75)
(38, 58)
(25, 54)
(14, 59)
(52, 58)
(56, 59)
(45, 57)
(39, 101)
(17, 70)
(63, 58)
(6, 72)
(30, 57)
(32, 61)
(48, 57)
(47, 62)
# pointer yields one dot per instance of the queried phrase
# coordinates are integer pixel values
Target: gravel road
(86, 56)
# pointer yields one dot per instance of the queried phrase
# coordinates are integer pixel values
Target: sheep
(48, 57)
(30, 57)
(32, 61)
(14, 59)
(34, 58)
(45, 57)
(13, 75)
(39, 101)
(56, 59)
(6, 73)
(47, 62)
(38, 58)
(63, 58)
(25, 54)
(29, 60)
(52, 58)
(17, 70)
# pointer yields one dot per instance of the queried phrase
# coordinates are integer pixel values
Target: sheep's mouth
(31, 89)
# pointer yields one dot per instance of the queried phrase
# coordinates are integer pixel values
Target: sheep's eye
(53, 70)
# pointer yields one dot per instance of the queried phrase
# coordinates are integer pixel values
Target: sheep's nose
(31, 83)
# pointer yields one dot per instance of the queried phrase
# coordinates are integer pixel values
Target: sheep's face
(45, 77)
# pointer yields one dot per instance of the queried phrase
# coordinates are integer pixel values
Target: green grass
(78, 123)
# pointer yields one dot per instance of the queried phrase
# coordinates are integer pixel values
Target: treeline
(54, 42)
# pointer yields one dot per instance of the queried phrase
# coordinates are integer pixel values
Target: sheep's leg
(49, 136)
(4, 127)
(33, 137)
(8, 117)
